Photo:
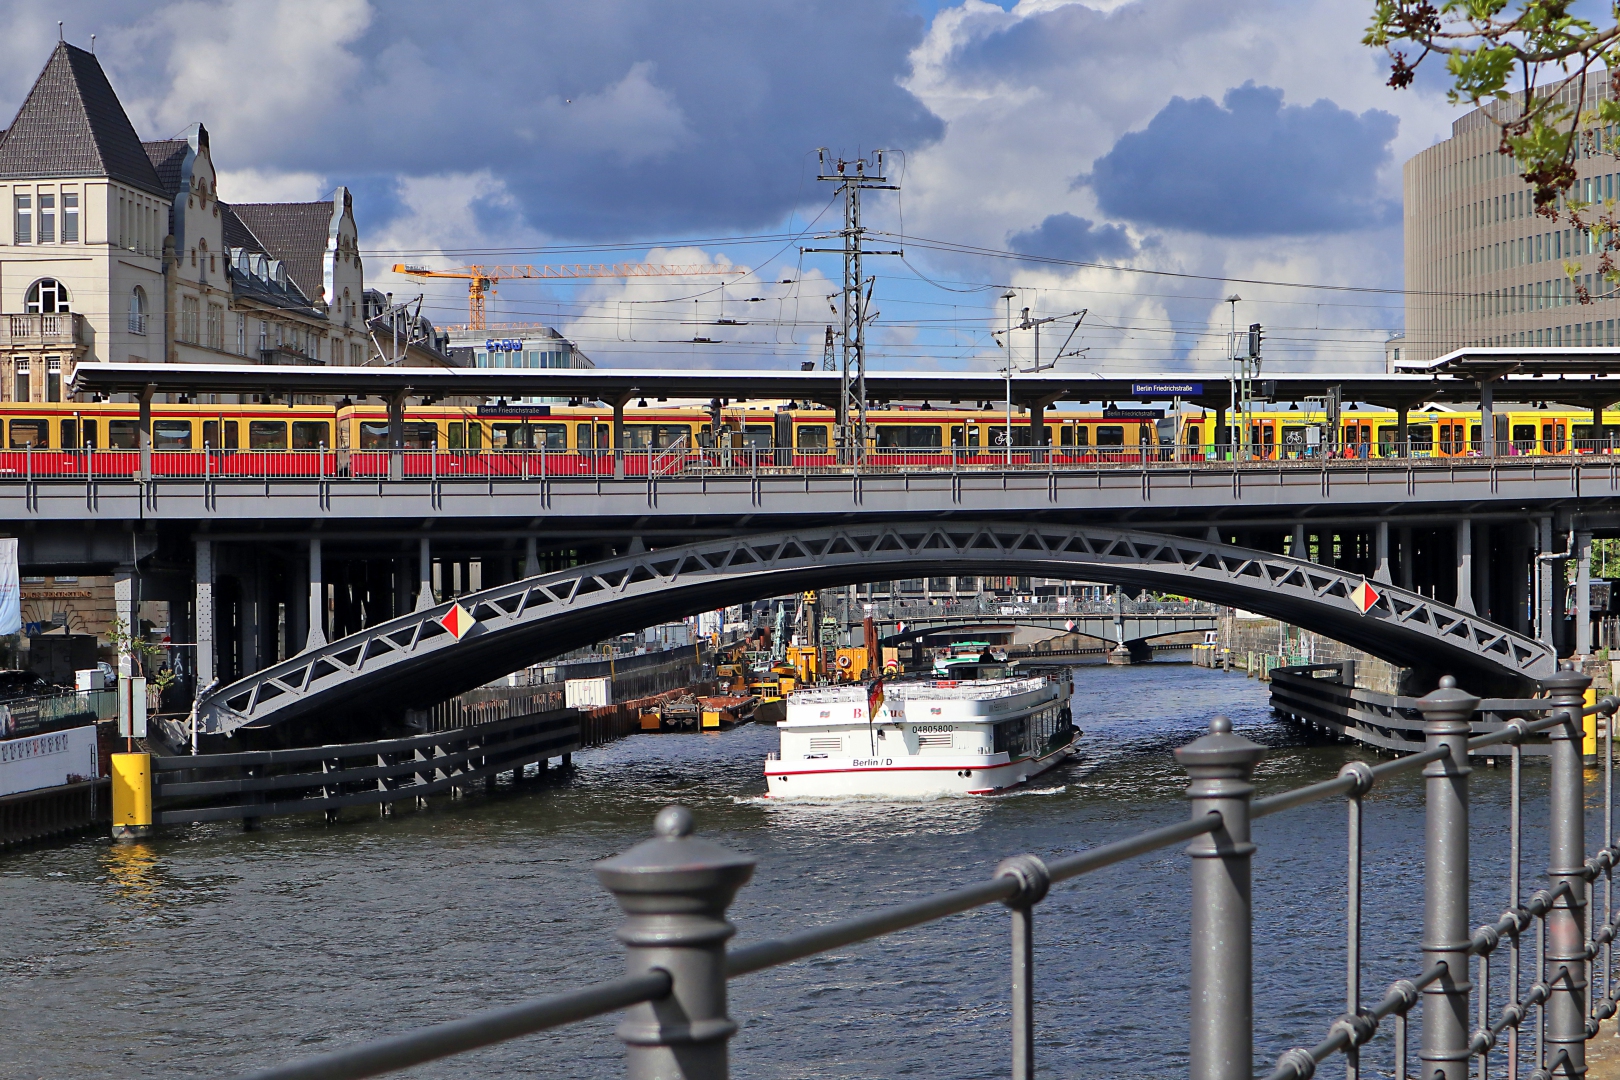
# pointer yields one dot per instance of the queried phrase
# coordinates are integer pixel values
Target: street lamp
(1009, 296)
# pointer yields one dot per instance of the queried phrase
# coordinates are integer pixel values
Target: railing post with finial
(1447, 719)
(1221, 1046)
(675, 889)
(1566, 969)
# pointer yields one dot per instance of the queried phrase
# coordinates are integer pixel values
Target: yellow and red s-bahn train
(70, 437)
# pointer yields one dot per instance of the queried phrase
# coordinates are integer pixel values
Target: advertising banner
(10, 589)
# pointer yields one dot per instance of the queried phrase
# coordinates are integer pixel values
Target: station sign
(1166, 389)
(1133, 414)
(514, 410)
(503, 344)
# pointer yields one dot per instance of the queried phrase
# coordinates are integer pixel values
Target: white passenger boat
(926, 737)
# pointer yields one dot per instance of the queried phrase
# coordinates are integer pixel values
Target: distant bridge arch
(1133, 627)
(413, 660)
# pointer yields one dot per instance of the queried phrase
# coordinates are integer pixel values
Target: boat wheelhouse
(928, 737)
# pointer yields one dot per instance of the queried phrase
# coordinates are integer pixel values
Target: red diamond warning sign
(1365, 596)
(458, 620)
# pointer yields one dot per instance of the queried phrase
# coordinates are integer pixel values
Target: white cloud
(262, 185)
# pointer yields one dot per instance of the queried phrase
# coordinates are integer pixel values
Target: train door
(1553, 435)
(783, 437)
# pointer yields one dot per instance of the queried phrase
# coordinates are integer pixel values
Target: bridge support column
(1408, 557)
(1465, 566)
(1221, 1045)
(1221, 441)
(143, 433)
(1381, 552)
(1566, 966)
(1487, 419)
(1401, 411)
(1300, 550)
(531, 557)
(1447, 713)
(396, 436)
(203, 608)
(317, 597)
(1583, 593)
(1544, 582)
(424, 575)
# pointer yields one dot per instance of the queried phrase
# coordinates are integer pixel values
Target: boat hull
(907, 777)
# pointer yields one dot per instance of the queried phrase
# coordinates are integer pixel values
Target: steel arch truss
(413, 660)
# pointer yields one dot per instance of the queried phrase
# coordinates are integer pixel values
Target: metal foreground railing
(675, 889)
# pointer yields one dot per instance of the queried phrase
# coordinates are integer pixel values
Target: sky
(1183, 151)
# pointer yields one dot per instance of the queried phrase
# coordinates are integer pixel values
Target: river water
(209, 951)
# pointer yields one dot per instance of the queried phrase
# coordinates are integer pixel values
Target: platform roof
(1208, 389)
(1490, 363)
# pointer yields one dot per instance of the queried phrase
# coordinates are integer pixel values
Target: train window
(1524, 437)
(70, 434)
(1421, 436)
(813, 437)
(121, 434)
(583, 438)
(475, 436)
(1111, 435)
(171, 434)
(655, 436)
(1293, 437)
(756, 437)
(90, 434)
(1066, 435)
(373, 435)
(420, 436)
(1388, 435)
(1474, 436)
(267, 434)
(958, 435)
(456, 436)
(1195, 435)
(310, 435)
(34, 433)
(908, 436)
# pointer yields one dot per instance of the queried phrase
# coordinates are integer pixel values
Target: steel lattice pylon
(412, 661)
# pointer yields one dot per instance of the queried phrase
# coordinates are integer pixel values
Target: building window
(137, 310)
(20, 367)
(23, 210)
(216, 326)
(355, 358)
(241, 335)
(190, 313)
(53, 378)
(70, 217)
(47, 219)
(47, 296)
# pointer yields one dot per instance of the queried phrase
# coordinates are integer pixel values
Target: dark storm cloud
(1250, 166)
(615, 118)
(1066, 236)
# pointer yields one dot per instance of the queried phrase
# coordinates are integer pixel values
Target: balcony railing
(18, 331)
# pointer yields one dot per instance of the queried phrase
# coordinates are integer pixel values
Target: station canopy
(1449, 380)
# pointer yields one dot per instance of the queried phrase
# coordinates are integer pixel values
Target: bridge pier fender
(674, 890)
(203, 614)
(1447, 716)
(1127, 653)
(1221, 1045)
(1566, 834)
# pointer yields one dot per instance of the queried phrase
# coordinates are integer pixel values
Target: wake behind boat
(925, 737)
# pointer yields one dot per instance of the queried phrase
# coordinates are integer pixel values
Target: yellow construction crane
(481, 280)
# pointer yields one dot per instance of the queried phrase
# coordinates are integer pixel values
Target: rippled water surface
(210, 951)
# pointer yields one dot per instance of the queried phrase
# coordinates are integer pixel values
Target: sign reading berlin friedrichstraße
(1166, 389)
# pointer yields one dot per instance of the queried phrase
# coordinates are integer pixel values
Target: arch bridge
(1121, 629)
(411, 660)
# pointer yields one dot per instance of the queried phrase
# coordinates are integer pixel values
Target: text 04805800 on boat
(925, 737)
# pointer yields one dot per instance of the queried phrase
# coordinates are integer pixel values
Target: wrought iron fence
(675, 888)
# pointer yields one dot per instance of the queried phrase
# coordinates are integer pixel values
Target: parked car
(20, 684)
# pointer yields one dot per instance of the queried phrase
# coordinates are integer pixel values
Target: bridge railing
(993, 608)
(653, 466)
(676, 887)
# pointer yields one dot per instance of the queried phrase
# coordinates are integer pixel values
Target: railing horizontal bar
(765, 954)
(1340, 785)
(472, 1032)
(1108, 854)
(1339, 1037)
(1518, 728)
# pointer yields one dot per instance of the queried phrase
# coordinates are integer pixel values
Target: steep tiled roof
(295, 233)
(168, 157)
(71, 124)
(237, 235)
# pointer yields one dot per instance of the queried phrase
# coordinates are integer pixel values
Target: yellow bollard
(131, 796)
(1589, 727)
